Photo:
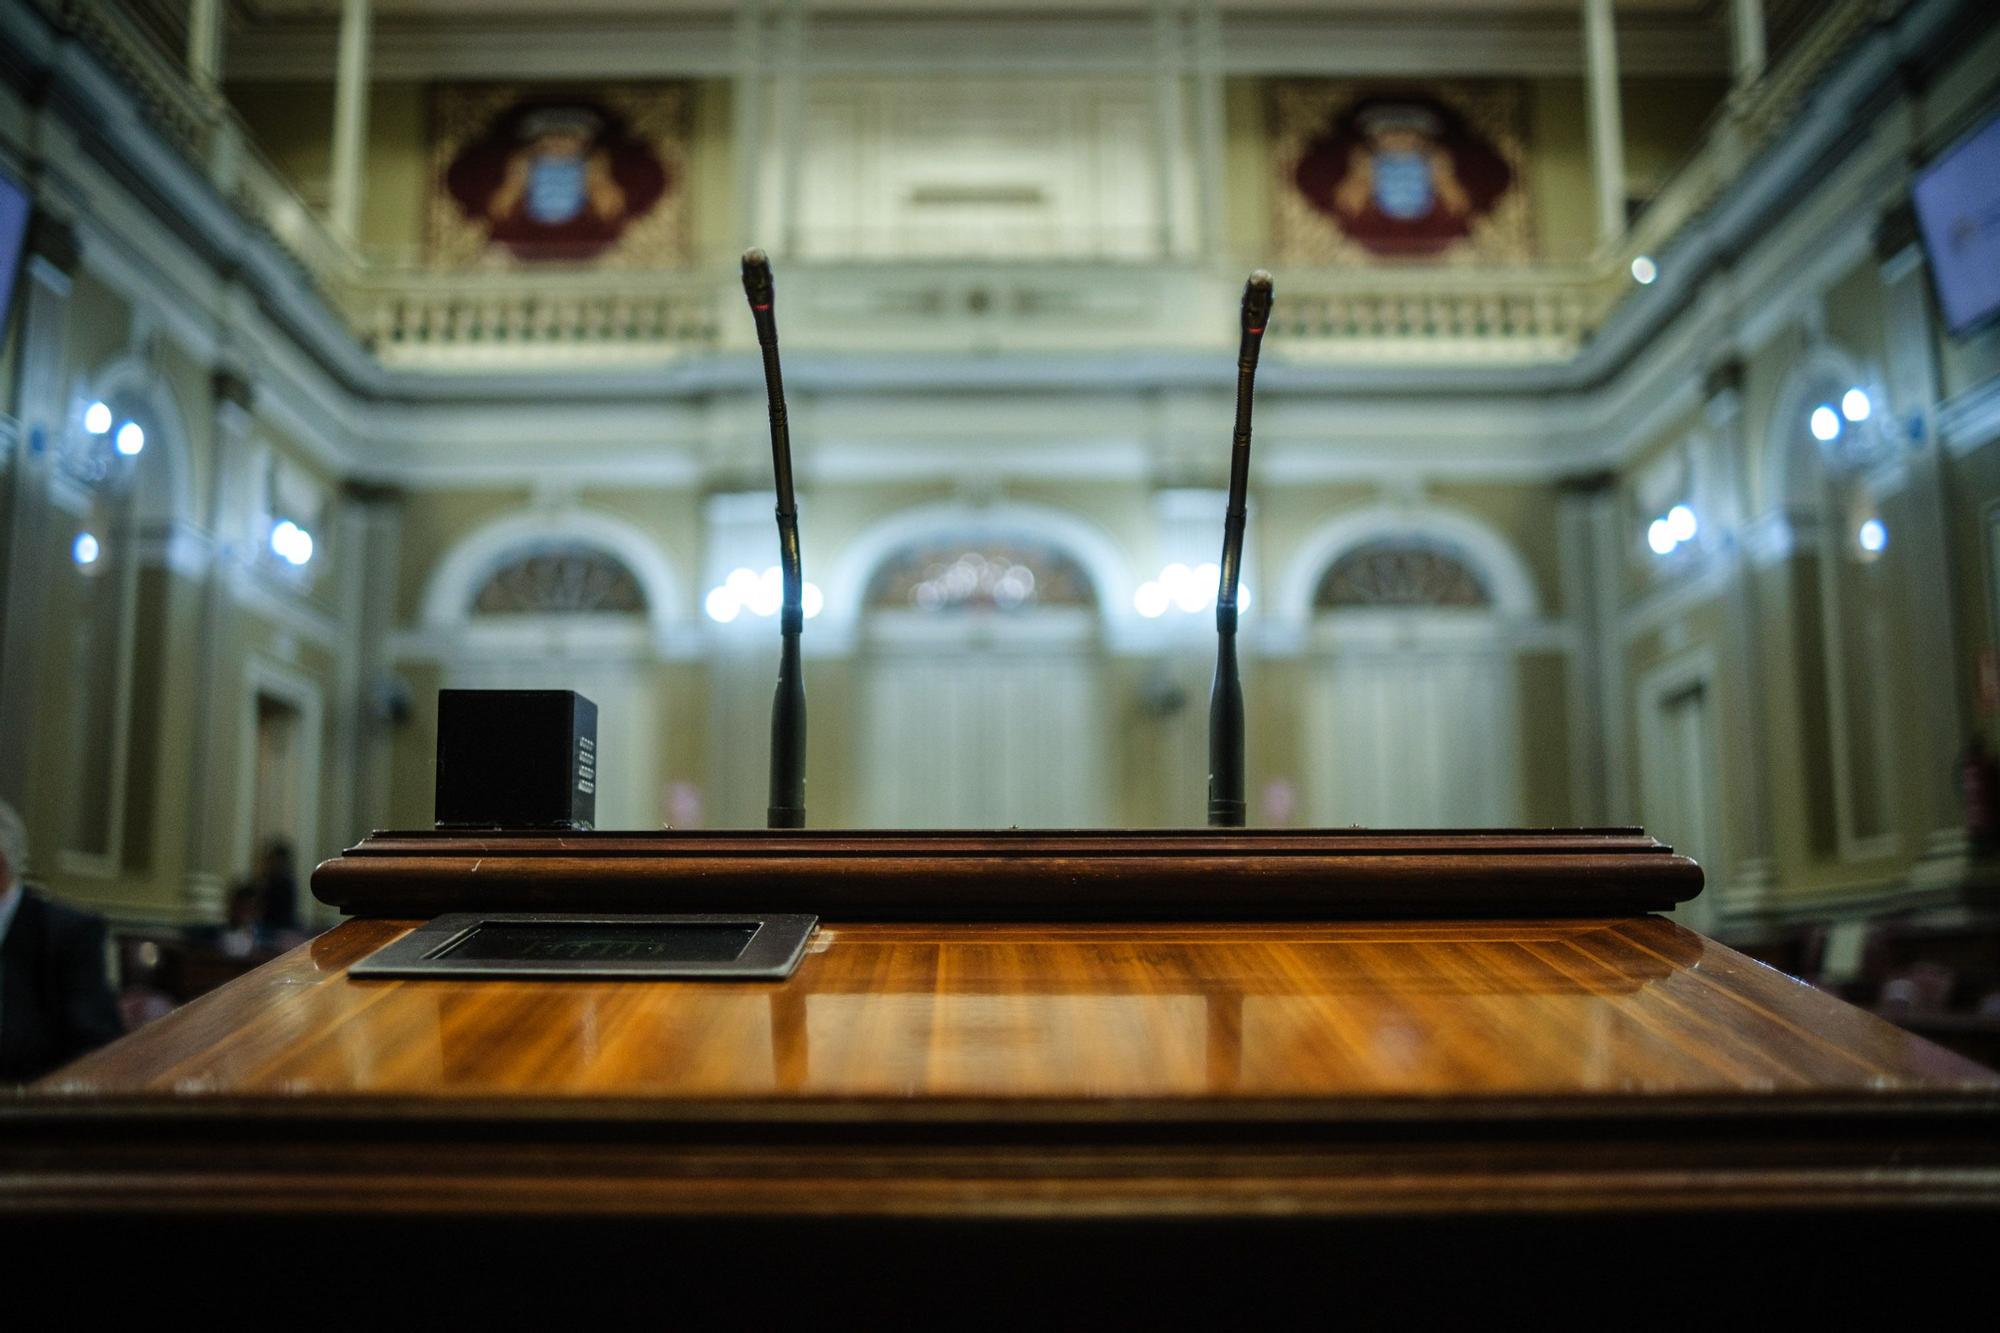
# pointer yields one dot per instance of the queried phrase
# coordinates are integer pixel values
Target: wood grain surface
(904, 1011)
(1019, 1076)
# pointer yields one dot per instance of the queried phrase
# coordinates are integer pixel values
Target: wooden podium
(1299, 1056)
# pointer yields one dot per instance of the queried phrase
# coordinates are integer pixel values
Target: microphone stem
(787, 807)
(1226, 805)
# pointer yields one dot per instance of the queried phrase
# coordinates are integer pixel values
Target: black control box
(517, 759)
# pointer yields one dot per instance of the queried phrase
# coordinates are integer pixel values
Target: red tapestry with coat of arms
(573, 175)
(1382, 172)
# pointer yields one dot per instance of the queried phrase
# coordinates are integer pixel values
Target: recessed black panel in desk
(490, 946)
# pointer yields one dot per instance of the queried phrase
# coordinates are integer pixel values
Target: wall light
(1644, 271)
(1681, 523)
(130, 439)
(292, 543)
(1667, 532)
(759, 594)
(1825, 423)
(85, 549)
(1854, 405)
(97, 418)
(1183, 588)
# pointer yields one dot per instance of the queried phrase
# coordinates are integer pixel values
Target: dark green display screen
(600, 942)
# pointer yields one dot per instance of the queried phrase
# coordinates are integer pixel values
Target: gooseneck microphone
(788, 707)
(1225, 699)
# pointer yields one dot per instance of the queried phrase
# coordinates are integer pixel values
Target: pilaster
(1921, 547)
(32, 538)
(208, 866)
(1744, 884)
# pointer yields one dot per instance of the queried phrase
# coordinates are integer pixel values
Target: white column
(350, 118)
(1168, 124)
(1211, 126)
(1920, 542)
(1746, 40)
(372, 529)
(1742, 880)
(1607, 130)
(207, 30)
(35, 533)
(791, 120)
(211, 850)
(204, 49)
(748, 114)
(1590, 602)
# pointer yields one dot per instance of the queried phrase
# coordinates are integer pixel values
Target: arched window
(559, 578)
(993, 574)
(1401, 572)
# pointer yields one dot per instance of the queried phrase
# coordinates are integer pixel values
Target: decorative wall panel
(579, 175)
(1370, 172)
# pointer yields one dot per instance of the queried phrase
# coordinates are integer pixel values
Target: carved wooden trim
(1190, 874)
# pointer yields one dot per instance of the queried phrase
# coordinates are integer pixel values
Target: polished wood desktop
(1575, 1073)
(909, 1014)
(1622, 1029)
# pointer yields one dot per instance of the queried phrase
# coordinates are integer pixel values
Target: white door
(983, 735)
(1413, 739)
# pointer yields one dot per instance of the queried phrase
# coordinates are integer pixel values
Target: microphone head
(757, 278)
(1256, 302)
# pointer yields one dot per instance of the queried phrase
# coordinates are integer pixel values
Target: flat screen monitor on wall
(13, 231)
(1958, 211)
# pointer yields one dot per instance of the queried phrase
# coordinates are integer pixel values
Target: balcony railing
(416, 318)
(488, 320)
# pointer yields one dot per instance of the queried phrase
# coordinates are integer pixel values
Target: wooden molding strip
(1019, 875)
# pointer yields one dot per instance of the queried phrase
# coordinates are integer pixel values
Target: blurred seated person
(55, 999)
(243, 934)
(277, 888)
(247, 932)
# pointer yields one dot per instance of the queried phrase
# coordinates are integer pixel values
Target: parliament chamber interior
(869, 650)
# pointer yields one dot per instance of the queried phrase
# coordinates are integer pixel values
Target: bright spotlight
(130, 439)
(812, 600)
(721, 604)
(1854, 405)
(1681, 524)
(769, 594)
(1660, 537)
(1644, 271)
(291, 543)
(1874, 536)
(97, 418)
(1825, 423)
(1151, 599)
(85, 549)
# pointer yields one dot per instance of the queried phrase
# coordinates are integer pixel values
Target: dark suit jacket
(55, 1000)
